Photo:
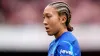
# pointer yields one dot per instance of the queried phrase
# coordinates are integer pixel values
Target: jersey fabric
(65, 45)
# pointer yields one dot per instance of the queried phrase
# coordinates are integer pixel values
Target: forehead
(50, 10)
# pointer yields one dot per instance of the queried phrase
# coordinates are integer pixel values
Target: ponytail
(69, 28)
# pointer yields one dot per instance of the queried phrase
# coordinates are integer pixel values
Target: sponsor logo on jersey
(65, 52)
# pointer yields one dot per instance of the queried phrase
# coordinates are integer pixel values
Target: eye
(49, 16)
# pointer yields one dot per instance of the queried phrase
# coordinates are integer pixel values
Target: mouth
(47, 29)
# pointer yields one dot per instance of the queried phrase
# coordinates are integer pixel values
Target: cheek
(55, 22)
(54, 26)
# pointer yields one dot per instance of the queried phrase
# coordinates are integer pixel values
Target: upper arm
(65, 49)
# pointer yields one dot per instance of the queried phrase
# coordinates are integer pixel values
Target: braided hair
(63, 9)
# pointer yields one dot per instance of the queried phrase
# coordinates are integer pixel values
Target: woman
(57, 18)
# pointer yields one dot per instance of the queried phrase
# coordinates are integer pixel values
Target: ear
(63, 19)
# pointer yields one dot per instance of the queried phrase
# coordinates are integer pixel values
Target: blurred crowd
(23, 12)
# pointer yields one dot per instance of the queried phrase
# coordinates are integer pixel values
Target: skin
(54, 24)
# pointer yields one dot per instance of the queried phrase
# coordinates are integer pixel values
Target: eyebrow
(46, 13)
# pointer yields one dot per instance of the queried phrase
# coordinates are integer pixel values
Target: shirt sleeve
(65, 49)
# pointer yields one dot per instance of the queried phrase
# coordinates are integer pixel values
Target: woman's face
(51, 20)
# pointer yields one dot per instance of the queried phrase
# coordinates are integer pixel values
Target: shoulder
(67, 48)
(68, 37)
(66, 44)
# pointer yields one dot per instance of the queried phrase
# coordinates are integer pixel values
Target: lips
(47, 28)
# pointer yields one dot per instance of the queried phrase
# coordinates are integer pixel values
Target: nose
(44, 22)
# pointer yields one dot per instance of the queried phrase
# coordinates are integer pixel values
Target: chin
(50, 34)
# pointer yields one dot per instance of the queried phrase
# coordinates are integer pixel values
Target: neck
(58, 34)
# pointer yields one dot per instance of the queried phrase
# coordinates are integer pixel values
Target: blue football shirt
(65, 45)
